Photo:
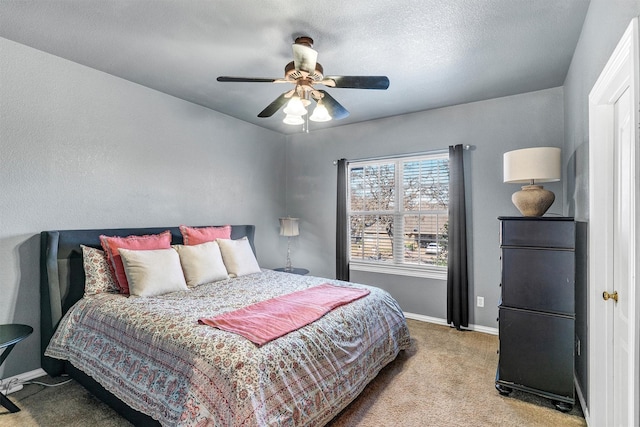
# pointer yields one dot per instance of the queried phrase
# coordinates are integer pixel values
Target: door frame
(619, 74)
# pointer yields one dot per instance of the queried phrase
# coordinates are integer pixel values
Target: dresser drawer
(536, 351)
(542, 280)
(538, 233)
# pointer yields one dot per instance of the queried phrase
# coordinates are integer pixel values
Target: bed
(151, 360)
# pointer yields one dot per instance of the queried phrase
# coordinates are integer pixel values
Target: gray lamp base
(533, 200)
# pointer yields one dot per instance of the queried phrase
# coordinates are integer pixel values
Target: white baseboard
(438, 321)
(581, 399)
(17, 380)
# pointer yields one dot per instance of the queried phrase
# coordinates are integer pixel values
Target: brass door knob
(614, 296)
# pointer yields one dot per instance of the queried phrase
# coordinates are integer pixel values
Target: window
(398, 214)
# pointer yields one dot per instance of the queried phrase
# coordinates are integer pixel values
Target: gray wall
(82, 149)
(492, 127)
(604, 24)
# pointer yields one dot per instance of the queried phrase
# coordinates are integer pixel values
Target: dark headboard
(62, 273)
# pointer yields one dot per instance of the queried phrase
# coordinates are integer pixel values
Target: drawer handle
(606, 296)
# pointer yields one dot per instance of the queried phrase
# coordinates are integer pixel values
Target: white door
(623, 250)
(613, 238)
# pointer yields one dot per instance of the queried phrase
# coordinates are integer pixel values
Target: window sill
(438, 273)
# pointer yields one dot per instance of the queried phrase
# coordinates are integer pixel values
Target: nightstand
(300, 271)
(10, 335)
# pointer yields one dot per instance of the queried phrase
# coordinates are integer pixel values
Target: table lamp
(532, 166)
(289, 228)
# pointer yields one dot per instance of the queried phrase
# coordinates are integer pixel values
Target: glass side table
(10, 335)
(300, 271)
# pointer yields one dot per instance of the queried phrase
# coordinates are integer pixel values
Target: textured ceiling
(436, 53)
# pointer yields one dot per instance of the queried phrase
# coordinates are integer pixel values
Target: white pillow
(238, 257)
(201, 263)
(153, 272)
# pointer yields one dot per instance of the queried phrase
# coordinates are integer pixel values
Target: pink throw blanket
(273, 318)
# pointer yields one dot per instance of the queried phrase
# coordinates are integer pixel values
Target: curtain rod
(396, 156)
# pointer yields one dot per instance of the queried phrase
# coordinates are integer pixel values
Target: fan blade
(275, 105)
(336, 111)
(245, 79)
(304, 58)
(357, 82)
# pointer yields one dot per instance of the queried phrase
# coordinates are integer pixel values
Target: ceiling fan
(305, 72)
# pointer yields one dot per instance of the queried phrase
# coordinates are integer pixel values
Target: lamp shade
(529, 165)
(320, 114)
(289, 227)
(293, 120)
(295, 107)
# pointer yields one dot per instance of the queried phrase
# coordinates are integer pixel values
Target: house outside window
(398, 215)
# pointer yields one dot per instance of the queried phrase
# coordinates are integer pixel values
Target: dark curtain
(342, 224)
(457, 279)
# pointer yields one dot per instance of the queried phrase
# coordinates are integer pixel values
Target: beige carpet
(445, 379)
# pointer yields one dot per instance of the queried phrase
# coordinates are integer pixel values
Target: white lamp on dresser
(532, 166)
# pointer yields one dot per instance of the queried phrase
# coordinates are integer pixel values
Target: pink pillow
(147, 242)
(197, 235)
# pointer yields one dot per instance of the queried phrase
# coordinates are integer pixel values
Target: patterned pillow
(98, 277)
(111, 245)
(197, 235)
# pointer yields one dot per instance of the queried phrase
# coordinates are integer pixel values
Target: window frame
(396, 265)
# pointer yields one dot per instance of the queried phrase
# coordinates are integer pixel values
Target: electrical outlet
(480, 301)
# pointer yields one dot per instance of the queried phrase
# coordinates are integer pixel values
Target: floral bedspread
(152, 354)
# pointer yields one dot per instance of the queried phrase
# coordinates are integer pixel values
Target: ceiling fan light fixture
(291, 119)
(295, 107)
(320, 114)
(305, 72)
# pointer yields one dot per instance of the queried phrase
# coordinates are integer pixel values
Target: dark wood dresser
(537, 308)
